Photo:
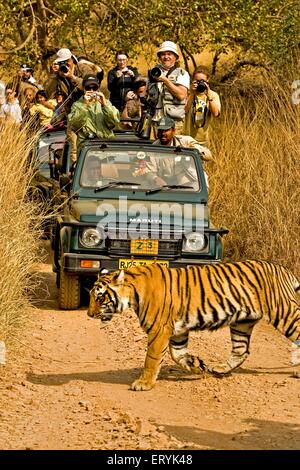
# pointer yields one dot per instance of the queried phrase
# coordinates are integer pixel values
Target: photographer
(168, 87)
(66, 75)
(10, 111)
(66, 80)
(24, 81)
(120, 80)
(135, 102)
(202, 104)
(92, 115)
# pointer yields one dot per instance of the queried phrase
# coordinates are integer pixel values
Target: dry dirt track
(68, 389)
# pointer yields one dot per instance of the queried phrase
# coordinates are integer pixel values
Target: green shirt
(93, 119)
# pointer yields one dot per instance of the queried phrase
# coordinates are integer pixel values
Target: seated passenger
(43, 107)
(164, 169)
(92, 172)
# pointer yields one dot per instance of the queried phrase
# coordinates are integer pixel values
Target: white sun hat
(63, 54)
(168, 46)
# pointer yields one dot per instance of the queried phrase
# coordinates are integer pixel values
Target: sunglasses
(91, 88)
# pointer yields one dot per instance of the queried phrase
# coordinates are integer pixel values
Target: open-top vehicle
(119, 214)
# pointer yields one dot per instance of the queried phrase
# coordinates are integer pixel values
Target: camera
(96, 95)
(93, 96)
(201, 86)
(154, 74)
(64, 66)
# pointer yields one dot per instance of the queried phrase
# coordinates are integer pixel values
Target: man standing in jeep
(168, 87)
(92, 115)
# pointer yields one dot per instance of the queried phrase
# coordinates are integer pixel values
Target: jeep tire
(69, 291)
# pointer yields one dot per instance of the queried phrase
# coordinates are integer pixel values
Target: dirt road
(68, 389)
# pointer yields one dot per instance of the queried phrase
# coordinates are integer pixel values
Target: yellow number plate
(144, 247)
(131, 263)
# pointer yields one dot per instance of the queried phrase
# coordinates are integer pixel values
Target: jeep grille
(166, 248)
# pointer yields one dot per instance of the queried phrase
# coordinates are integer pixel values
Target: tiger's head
(109, 295)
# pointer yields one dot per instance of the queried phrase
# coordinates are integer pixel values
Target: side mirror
(64, 182)
(55, 161)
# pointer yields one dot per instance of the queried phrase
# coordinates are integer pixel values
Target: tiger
(170, 302)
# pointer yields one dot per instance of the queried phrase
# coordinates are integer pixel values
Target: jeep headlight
(194, 241)
(90, 237)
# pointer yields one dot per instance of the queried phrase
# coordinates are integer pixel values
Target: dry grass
(254, 184)
(19, 234)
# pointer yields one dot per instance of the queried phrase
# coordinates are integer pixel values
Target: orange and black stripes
(171, 302)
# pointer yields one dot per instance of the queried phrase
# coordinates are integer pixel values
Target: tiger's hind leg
(240, 338)
(178, 349)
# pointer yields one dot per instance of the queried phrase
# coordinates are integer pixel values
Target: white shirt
(12, 110)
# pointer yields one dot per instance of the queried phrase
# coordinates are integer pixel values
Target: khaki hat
(165, 123)
(62, 55)
(168, 46)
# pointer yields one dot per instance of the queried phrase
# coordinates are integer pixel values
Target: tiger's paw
(141, 385)
(195, 365)
(220, 369)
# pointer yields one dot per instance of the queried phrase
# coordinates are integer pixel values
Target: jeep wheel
(69, 291)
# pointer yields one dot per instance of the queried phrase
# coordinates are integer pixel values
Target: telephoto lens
(154, 73)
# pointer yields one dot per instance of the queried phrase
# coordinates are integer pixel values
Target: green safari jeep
(132, 204)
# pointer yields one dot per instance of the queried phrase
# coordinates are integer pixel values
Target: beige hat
(168, 46)
(62, 55)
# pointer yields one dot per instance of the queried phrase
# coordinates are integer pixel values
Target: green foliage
(254, 30)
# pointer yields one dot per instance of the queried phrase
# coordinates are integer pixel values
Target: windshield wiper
(168, 186)
(113, 184)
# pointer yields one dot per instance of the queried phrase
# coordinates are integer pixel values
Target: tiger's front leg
(157, 346)
(178, 350)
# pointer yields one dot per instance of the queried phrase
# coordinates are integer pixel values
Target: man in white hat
(26, 74)
(169, 85)
(66, 81)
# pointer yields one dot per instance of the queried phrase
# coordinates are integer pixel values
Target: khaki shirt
(178, 172)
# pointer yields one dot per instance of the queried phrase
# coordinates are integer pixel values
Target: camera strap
(171, 70)
(200, 110)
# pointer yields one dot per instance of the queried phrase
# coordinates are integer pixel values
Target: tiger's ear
(102, 272)
(120, 277)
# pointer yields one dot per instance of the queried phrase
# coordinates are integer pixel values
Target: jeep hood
(112, 212)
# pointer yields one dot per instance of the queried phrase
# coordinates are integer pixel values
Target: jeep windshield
(140, 170)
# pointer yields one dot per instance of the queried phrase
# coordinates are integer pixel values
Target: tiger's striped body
(170, 302)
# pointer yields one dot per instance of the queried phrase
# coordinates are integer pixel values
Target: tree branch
(240, 64)
(29, 37)
(215, 61)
